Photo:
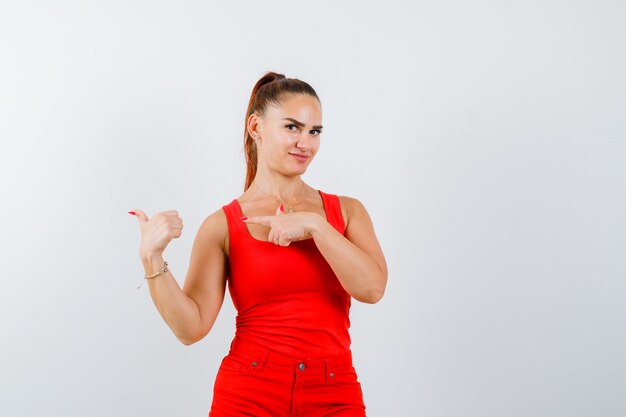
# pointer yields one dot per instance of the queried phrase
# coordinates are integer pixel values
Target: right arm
(191, 311)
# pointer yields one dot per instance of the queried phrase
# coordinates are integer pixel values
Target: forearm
(178, 310)
(357, 272)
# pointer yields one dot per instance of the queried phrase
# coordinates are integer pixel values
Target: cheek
(290, 140)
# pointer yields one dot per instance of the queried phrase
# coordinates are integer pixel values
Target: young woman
(293, 257)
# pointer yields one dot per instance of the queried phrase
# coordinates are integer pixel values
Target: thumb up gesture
(157, 232)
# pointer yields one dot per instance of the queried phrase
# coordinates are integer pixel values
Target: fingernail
(131, 212)
(243, 218)
(282, 208)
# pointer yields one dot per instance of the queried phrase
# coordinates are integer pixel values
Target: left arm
(357, 259)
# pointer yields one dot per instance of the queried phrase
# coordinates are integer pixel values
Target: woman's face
(289, 134)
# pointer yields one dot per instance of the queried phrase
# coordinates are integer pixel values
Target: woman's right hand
(157, 232)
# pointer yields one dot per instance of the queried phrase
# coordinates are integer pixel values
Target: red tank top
(288, 299)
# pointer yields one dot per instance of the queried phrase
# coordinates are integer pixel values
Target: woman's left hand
(286, 228)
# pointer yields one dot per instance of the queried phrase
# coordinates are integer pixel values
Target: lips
(299, 157)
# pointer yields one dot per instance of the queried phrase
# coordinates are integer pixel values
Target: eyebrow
(300, 123)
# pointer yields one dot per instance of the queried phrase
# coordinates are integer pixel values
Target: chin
(299, 171)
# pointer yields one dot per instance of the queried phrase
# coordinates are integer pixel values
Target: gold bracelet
(161, 271)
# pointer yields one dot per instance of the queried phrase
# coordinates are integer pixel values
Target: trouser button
(301, 366)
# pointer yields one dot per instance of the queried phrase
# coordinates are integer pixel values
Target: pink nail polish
(131, 212)
(282, 208)
(243, 218)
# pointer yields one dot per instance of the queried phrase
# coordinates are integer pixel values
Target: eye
(288, 126)
(319, 132)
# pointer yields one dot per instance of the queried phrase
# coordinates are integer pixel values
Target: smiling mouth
(299, 156)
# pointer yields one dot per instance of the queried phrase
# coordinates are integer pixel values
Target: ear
(254, 126)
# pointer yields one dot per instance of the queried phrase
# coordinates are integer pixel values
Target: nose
(304, 143)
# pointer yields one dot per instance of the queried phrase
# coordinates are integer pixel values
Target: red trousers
(252, 381)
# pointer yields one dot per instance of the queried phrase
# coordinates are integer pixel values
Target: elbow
(188, 341)
(374, 295)
(376, 291)
(377, 295)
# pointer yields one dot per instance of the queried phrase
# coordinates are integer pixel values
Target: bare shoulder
(214, 229)
(349, 202)
(351, 207)
(216, 219)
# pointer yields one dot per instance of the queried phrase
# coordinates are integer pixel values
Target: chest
(262, 271)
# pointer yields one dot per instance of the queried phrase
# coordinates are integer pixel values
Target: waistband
(247, 351)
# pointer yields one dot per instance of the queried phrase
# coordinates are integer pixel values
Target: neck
(278, 185)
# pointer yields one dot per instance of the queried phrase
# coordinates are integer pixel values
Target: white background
(487, 140)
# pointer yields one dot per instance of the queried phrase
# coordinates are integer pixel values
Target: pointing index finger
(266, 220)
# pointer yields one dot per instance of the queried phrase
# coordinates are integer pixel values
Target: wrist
(153, 265)
(317, 224)
(152, 262)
